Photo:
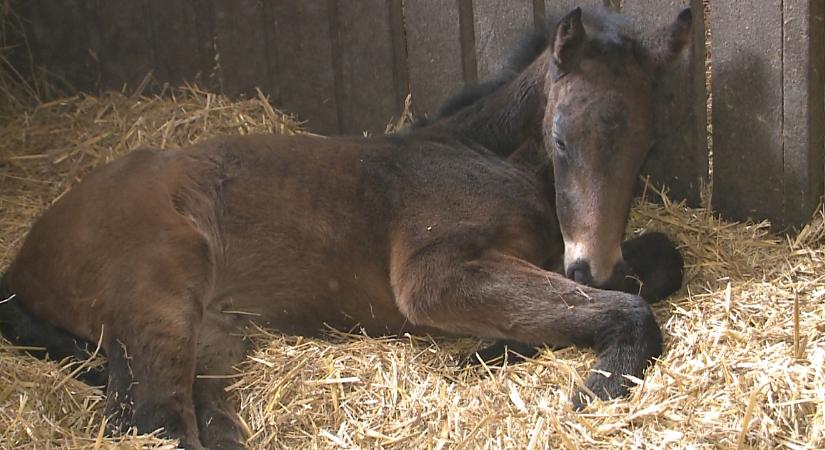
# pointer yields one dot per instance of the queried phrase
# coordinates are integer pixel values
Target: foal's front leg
(656, 267)
(503, 297)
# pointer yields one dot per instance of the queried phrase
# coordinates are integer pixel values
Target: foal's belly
(311, 316)
(299, 297)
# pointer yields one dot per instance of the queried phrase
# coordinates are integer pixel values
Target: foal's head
(598, 128)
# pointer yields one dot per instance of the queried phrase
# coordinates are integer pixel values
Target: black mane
(609, 32)
(530, 47)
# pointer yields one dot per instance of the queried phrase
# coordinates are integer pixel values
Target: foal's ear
(665, 44)
(569, 38)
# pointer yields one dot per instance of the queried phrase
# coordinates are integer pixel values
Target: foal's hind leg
(507, 298)
(152, 368)
(220, 348)
(151, 335)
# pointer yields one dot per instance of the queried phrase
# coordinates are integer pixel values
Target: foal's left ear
(664, 45)
(569, 37)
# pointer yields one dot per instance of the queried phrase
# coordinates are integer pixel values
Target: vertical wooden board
(62, 42)
(499, 25)
(242, 51)
(205, 39)
(366, 86)
(539, 12)
(467, 38)
(175, 41)
(126, 51)
(679, 160)
(304, 78)
(433, 51)
(803, 62)
(747, 109)
(399, 46)
(556, 9)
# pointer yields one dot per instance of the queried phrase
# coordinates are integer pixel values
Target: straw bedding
(740, 368)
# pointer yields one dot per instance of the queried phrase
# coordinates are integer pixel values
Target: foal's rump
(96, 241)
(56, 295)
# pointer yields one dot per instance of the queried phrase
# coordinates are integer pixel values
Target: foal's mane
(610, 36)
(527, 50)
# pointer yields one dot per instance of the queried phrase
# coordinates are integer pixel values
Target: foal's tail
(42, 339)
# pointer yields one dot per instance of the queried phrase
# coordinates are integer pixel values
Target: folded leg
(502, 297)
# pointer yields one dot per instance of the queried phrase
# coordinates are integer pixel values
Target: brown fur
(446, 228)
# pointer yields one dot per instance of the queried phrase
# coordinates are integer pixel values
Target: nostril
(579, 272)
(579, 276)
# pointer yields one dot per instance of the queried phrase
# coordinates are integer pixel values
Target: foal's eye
(560, 144)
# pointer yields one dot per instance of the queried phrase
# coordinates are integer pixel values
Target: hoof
(501, 353)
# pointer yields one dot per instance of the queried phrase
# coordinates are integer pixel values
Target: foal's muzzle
(579, 271)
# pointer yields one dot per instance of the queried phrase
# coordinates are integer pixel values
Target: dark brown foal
(449, 226)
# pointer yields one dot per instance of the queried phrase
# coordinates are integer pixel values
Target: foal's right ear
(666, 44)
(569, 37)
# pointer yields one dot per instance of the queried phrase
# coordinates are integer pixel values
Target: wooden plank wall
(63, 41)
(304, 74)
(182, 52)
(767, 109)
(434, 51)
(498, 26)
(366, 83)
(346, 67)
(242, 49)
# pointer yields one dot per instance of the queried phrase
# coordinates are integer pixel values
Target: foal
(448, 227)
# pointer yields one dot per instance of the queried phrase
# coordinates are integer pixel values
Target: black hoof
(603, 387)
(656, 264)
(501, 353)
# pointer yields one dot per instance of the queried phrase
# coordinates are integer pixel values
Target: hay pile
(734, 374)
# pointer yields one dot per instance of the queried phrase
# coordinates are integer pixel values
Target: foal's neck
(503, 120)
